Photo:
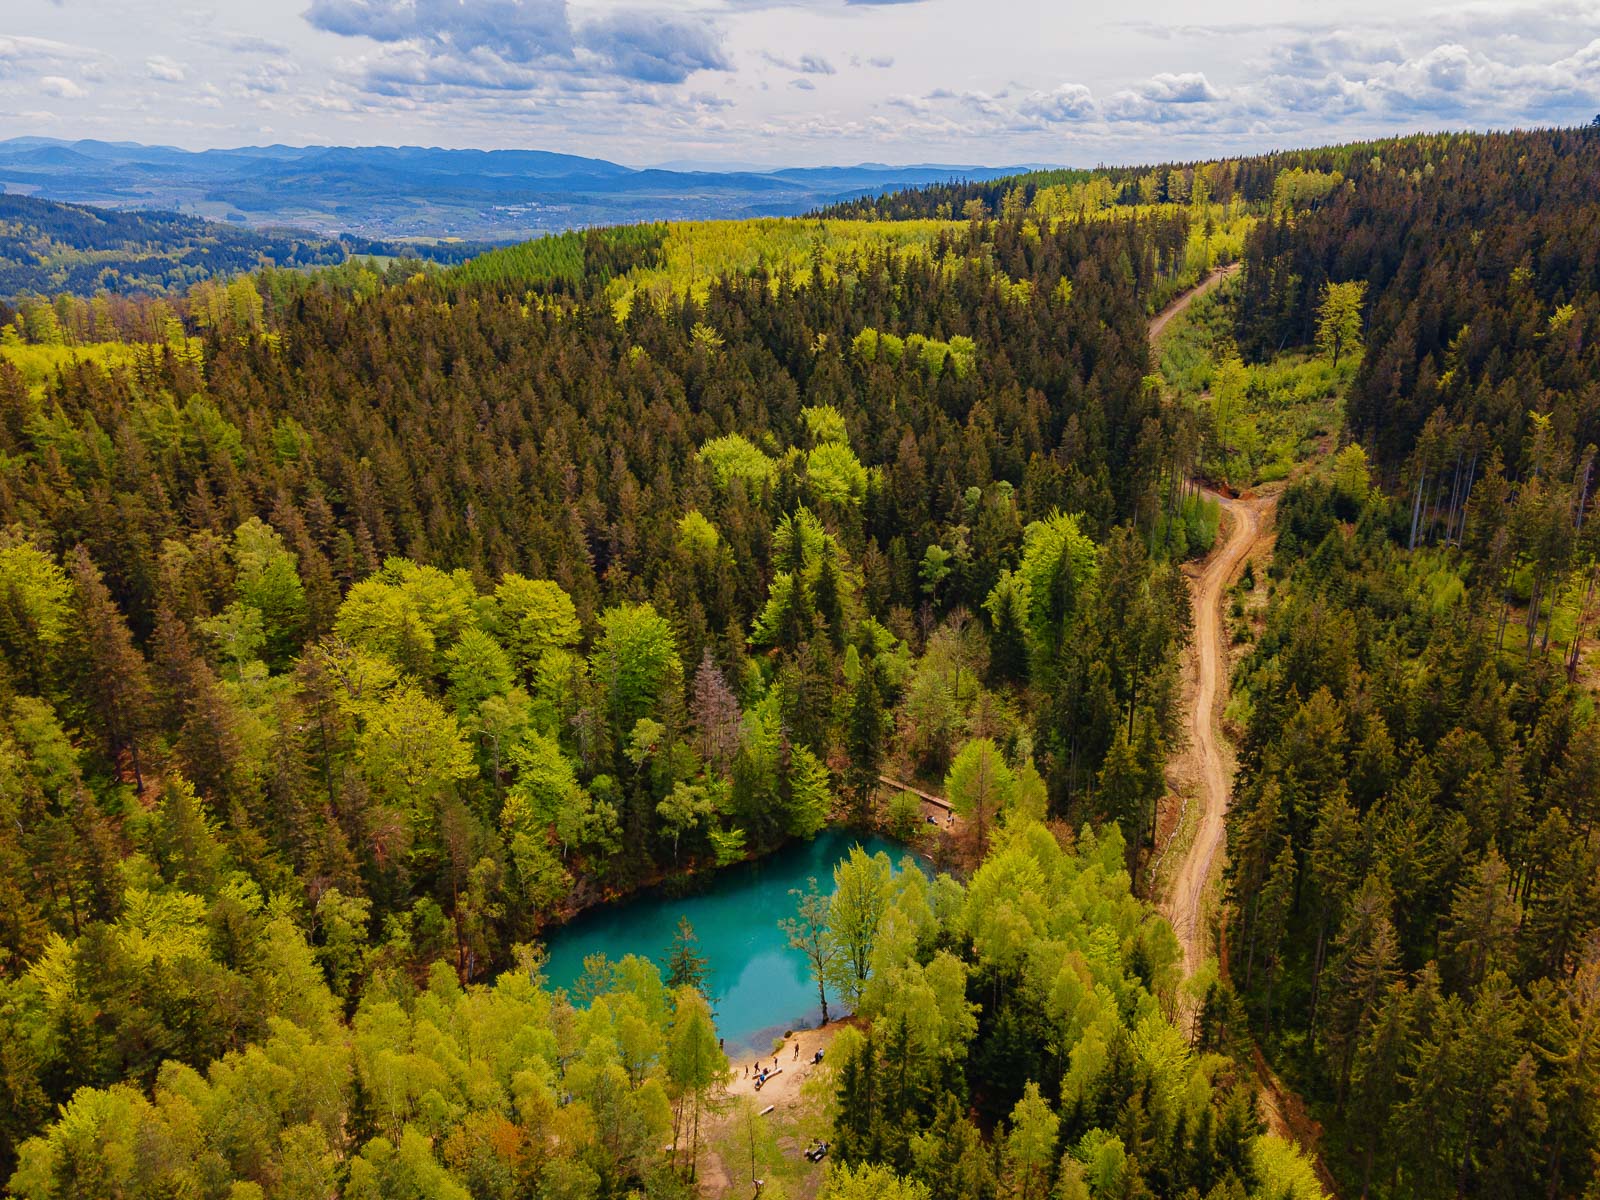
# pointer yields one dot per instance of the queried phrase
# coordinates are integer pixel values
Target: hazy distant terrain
(414, 192)
(47, 247)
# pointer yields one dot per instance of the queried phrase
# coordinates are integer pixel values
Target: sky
(800, 82)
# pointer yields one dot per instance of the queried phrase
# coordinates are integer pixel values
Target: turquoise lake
(758, 986)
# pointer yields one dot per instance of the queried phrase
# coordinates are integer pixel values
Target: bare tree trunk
(1466, 495)
(1535, 601)
(1583, 494)
(1316, 966)
(1416, 511)
(1438, 490)
(1455, 491)
(1577, 633)
(694, 1143)
(1550, 619)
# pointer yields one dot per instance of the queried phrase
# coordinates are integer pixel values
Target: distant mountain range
(418, 192)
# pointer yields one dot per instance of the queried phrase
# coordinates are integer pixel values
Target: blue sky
(795, 83)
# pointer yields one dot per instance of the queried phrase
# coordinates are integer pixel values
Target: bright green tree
(636, 660)
(1339, 318)
(979, 785)
(1058, 566)
(863, 886)
(686, 808)
(478, 669)
(535, 616)
(35, 605)
(408, 613)
(268, 580)
(412, 751)
(870, 1181)
(695, 1065)
(1030, 1146)
(808, 933)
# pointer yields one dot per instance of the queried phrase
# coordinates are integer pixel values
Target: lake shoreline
(759, 986)
(705, 871)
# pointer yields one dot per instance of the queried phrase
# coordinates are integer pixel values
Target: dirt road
(1184, 901)
(1159, 323)
(1207, 762)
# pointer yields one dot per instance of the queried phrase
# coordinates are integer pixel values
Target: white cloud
(520, 31)
(61, 87)
(806, 64)
(519, 44)
(163, 68)
(1067, 103)
(247, 43)
(654, 47)
(628, 79)
(1190, 87)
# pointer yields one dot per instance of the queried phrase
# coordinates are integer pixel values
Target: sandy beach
(784, 1088)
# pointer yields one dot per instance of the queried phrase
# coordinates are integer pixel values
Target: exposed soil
(1207, 762)
(783, 1089)
(782, 1092)
(1201, 776)
(1159, 322)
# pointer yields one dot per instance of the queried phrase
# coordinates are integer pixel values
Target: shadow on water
(758, 986)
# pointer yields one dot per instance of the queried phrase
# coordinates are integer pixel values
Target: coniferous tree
(686, 966)
(112, 678)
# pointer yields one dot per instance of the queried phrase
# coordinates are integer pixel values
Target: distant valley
(412, 192)
(49, 248)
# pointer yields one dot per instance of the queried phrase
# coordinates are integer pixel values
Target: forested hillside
(359, 628)
(402, 192)
(77, 251)
(48, 248)
(367, 626)
(1414, 876)
(1413, 854)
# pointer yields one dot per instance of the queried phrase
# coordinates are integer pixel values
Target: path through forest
(1207, 762)
(1209, 755)
(1159, 322)
(1248, 521)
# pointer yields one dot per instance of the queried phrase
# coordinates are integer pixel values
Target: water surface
(758, 986)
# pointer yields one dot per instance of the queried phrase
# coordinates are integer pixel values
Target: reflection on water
(758, 986)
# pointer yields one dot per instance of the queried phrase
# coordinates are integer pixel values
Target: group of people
(764, 1073)
(761, 1073)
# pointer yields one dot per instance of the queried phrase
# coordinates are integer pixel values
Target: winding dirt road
(1184, 901)
(1159, 322)
(1207, 762)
